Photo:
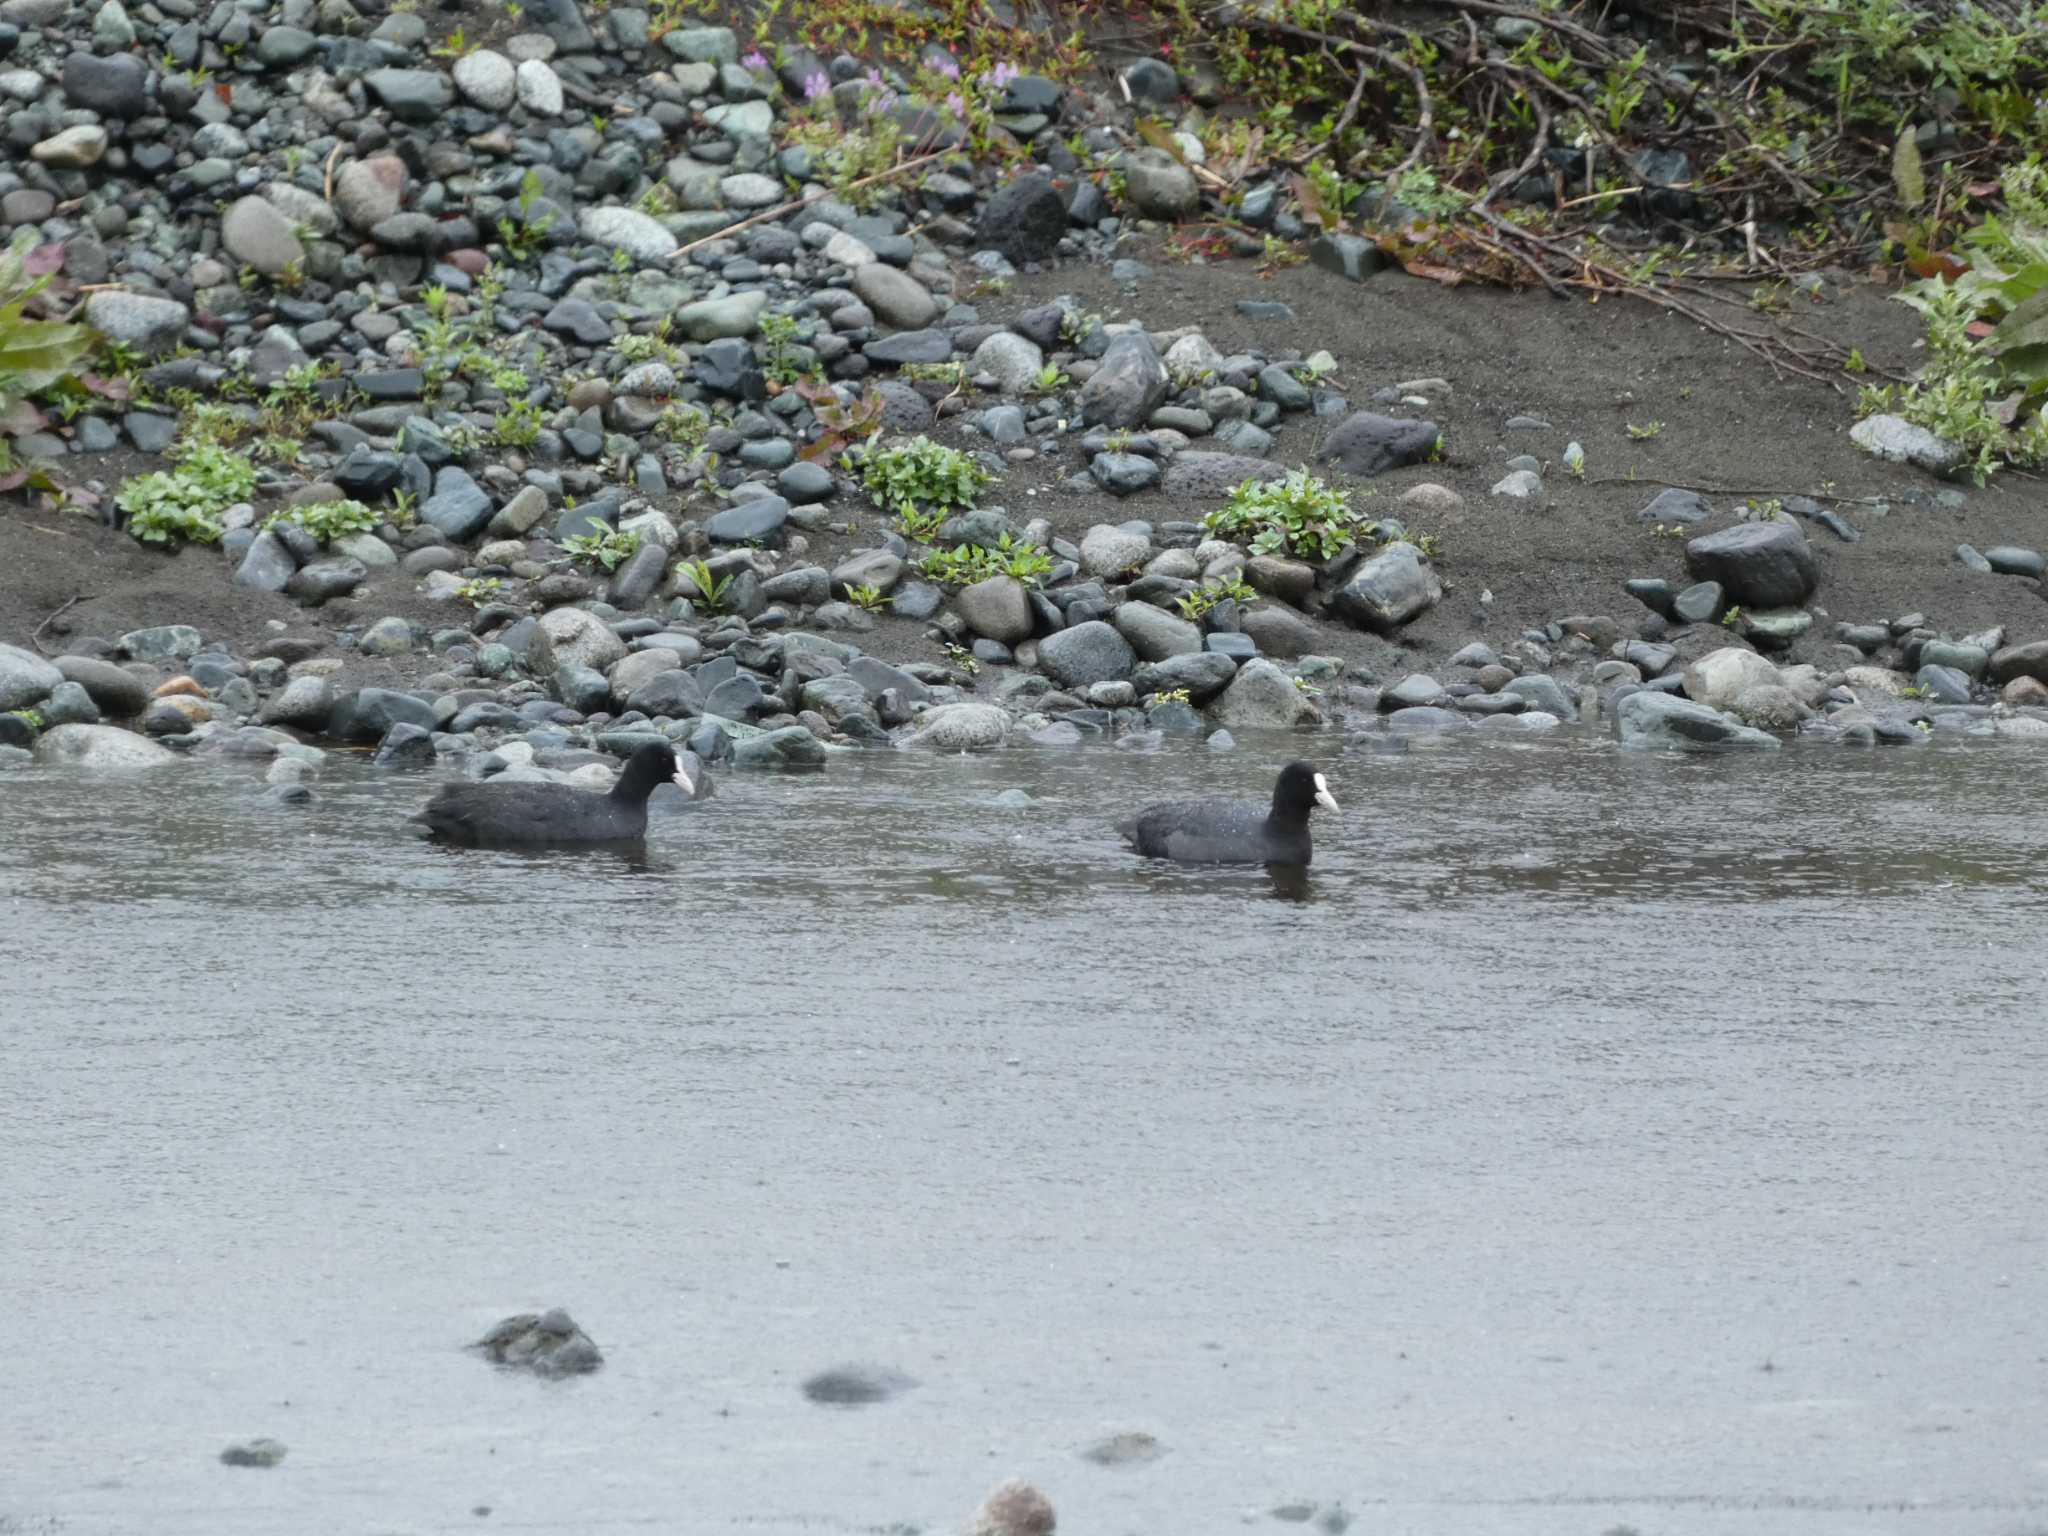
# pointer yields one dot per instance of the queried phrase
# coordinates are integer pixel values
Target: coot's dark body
(1234, 831)
(525, 815)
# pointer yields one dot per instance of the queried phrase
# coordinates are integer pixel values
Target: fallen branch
(806, 200)
(35, 637)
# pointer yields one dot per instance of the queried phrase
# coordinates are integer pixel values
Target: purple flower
(816, 85)
(755, 61)
(950, 68)
(955, 105)
(874, 77)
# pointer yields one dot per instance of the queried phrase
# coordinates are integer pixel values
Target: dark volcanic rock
(851, 1386)
(1024, 219)
(1759, 565)
(1365, 444)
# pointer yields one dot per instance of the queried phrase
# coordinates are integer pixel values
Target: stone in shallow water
(254, 1453)
(855, 1385)
(547, 1343)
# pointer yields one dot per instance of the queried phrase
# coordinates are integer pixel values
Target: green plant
(867, 598)
(1297, 515)
(479, 590)
(710, 591)
(522, 235)
(518, 425)
(1196, 604)
(1957, 393)
(186, 502)
(1050, 380)
(405, 509)
(917, 474)
(965, 564)
(35, 355)
(779, 335)
(1732, 617)
(610, 548)
(1170, 696)
(454, 48)
(962, 658)
(328, 520)
(1645, 432)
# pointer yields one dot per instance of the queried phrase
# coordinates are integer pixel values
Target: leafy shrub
(965, 564)
(918, 474)
(1300, 515)
(329, 520)
(186, 502)
(34, 354)
(610, 549)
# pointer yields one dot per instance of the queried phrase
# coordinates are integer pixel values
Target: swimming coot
(509, 814)
(1234, 831)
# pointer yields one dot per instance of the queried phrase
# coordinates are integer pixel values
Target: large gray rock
(1202, 476)
(629, 230)
(459, 506)
(1204, 674)
(1088, 653)
(1156, 634)
(960, 728)
(1366, 444)
(1013, 361)
(1159, 186)
(1127, 385)
(1278, 631)
(99, 747)
(25, 677)
(1904, 442)
(1659, 722)
(1263, 695)
(790, 747)
(1721, 677)
(486, 79)
(998, 608)
(304, 702)
(1393, 587)
(2017, 661)
(259, 236)
(115, 690)
(267, 565)
(1759, 565)
(147, 322)
(1113, 552)
(897, 298)
(572, 637)
(411, 95)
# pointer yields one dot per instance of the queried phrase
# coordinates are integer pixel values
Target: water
(1592, 1141)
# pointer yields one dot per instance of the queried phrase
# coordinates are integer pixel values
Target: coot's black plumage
(1234, 831)
(526, 814)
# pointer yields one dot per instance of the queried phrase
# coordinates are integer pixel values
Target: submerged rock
(545, 1343)
(852, 1386)
(1658, 722)
(254, 1453)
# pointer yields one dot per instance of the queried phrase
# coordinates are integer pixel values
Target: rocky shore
(497, 407)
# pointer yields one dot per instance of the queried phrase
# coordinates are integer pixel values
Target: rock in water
(99, 746)
(1657, 722)
(1014, 1508)
(851, 1386)
(1133, 1448)
(961, 728)
(546, 1343)
(254, 1453)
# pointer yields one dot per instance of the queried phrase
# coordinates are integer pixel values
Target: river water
(1592, 1141)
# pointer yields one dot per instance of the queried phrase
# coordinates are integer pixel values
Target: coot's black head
(1300, 790)
(648, 768)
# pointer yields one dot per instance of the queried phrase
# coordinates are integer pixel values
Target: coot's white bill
(683, 782)
(1324, 798)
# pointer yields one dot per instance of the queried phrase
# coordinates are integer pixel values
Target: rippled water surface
(1591, 1141)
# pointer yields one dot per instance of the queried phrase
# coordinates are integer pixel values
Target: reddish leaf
(225, 92)
(1311, 203)
(1979, 329)
(1982, 189)
(44, 259)
(110, 389)
(13, 480)
(20, 418)
(1937, 264)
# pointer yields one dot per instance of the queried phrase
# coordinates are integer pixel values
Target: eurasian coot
(525, 814)
(1234, 831)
